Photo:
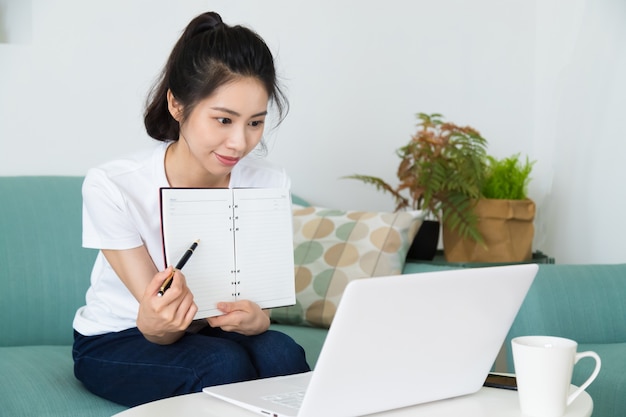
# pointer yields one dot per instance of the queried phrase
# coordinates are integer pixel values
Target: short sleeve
(107, 222)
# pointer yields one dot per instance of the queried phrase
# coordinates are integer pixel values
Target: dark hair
(208, 55)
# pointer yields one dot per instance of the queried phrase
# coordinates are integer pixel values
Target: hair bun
(204, 23)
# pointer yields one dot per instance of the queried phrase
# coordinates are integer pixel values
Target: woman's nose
(237, 139)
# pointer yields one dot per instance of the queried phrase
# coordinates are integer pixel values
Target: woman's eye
(256, 123)
(224, 120)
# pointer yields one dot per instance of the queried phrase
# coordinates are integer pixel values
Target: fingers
(155, 284)
(227, 307)
(216, 321)
(164, 319)
(187, 309)
(225, 321)
(177, 286)
(176, 306)
(243, 317)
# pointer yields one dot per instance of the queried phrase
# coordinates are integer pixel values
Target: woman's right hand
(163, 319)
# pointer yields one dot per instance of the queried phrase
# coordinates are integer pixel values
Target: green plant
(441, 171)
(507, 178)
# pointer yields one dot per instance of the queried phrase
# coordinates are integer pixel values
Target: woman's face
(221, 129)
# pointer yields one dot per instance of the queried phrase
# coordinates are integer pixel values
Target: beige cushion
(334, 247)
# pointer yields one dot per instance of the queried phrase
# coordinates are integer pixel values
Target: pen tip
(197, 240)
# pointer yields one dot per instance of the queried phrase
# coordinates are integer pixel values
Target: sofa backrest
(44, 271)
(586, 303)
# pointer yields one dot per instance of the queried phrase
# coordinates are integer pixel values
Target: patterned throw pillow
(334, 247)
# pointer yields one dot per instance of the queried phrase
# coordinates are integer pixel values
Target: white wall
(541, 78)
(579, 135)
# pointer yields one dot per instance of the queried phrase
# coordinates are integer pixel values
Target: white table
(488, 402)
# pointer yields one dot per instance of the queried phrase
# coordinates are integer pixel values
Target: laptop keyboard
(288, 399)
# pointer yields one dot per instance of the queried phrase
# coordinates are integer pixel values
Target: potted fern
(505, 216)
(441, 171)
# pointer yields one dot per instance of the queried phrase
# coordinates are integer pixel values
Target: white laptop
(398, 341)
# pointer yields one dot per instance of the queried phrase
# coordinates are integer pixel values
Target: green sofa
(44, 273)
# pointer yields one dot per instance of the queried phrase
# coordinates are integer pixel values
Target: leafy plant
(507, 178)
(441, 171)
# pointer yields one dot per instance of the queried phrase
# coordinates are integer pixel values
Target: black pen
(168, 281)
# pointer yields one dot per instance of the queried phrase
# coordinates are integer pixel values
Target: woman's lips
(227, 160)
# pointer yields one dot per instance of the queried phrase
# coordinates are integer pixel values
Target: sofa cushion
(334, 247)
(39, 381)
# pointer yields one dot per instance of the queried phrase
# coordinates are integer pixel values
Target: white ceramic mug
(543, 367)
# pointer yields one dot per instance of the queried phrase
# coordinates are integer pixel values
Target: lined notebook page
(264, 244)
(190, 214)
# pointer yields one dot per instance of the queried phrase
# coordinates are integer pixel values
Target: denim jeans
(126, 368)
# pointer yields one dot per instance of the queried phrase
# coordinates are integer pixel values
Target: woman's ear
(175, 108)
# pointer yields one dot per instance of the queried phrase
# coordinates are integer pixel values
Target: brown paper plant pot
(507, 228)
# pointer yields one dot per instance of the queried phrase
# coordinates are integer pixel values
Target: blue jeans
(126, 368)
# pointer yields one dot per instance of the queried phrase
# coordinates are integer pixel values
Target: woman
(208, 111)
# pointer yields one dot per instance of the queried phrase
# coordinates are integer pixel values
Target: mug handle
(589, 380)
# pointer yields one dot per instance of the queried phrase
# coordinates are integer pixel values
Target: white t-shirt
(121, 211)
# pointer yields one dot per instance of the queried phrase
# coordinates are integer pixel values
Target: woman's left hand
(243, 317)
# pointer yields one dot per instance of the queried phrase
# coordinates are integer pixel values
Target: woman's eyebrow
(234, 113)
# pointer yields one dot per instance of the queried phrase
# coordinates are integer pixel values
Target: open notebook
(246, 244)
(399, 341)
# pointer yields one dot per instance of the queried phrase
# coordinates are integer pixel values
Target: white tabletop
(488, 402)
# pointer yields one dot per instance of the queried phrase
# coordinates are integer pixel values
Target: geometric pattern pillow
(334, 247)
